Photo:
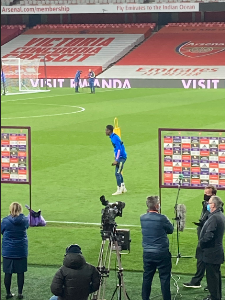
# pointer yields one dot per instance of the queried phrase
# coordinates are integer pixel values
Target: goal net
(20, 76)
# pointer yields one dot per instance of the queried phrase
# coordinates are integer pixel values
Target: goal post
(21, 76)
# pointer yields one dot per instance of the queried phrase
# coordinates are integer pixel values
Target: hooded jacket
(76, 279)
(14, 231)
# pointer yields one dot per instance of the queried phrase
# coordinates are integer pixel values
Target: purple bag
(35, 218)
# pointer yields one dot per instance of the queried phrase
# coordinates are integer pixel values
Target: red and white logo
(194, 49)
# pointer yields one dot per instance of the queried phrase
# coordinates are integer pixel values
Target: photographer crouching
(156, 255)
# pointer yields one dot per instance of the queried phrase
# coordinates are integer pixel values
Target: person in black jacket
(211, 242)
(76, 279)
(156, 255)
(195, 282)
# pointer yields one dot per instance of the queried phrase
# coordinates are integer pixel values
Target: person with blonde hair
(14, 247)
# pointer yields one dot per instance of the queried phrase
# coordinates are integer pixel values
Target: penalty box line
(60, 95)
(98, 224)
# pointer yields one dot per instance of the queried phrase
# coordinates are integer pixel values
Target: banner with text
(165, 72)
(127, 83)
(95, 9)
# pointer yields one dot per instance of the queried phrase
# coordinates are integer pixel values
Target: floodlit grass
(71, 164)
(38, 281)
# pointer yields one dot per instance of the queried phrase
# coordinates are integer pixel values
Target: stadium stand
(200, 24)
(9, 32)
(177, 50)
(70, 47)
(6, 2)
(187, 1)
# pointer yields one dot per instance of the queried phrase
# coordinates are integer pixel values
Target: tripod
(105, 260)
(178, 219)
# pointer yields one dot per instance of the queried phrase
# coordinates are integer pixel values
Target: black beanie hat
(73, 249)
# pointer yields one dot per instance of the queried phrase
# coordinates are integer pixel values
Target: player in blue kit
(77, 80)
(3, 82)
(120, 158)
(91, 76)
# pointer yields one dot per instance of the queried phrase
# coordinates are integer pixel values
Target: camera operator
(76, 279)
(156, 255)
(195, 282)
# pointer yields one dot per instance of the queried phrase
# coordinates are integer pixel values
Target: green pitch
(71, 164)
(38, 281)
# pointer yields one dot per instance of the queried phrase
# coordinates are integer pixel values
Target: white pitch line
(61, 95)
(85, 223)
(26, 93)
(41, 116)
(37, 98)
(98, 224)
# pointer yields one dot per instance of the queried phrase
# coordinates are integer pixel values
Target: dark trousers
(196, 280)
(213, 277)
(92, 85)
(76, 86)
(118, 171)
(153, 261)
